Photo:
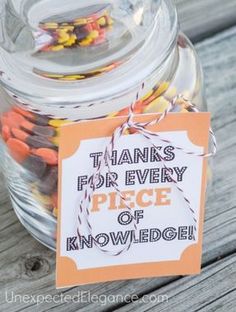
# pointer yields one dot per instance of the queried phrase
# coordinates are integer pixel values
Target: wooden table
(28, 268)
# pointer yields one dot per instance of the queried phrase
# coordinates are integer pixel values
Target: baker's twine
(105, 161)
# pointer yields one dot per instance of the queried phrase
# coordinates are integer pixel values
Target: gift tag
(131, 199)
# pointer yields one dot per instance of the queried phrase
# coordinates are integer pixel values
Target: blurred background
(203, 18)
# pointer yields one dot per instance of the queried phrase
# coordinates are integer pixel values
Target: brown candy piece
(35, 141)
(48, 184)
(18, 149)
(38, 130)
(36, 165)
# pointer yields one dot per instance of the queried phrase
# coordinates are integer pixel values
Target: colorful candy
(48, 155)
(12, 119)
(36, 141)
(76, 76)
(18, 149)
(38, 130)
(6, 133)
(32, 139)
(81, 32)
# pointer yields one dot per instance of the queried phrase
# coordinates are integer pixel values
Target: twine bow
(105, 161)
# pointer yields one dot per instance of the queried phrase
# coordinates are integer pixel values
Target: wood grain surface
(203, 18)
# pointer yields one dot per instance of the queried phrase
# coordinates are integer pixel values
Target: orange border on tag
(197, 126)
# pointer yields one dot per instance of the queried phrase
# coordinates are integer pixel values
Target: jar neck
(99, 109)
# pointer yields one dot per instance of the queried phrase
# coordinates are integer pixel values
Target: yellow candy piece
(50, 25)
(64, 37)
(76, 77)
(105, 69)
(96, 71)
(71, 41)
(102, 21)
(86, 42)
(67, 28)
(157, 106)
(80, 21)
(55, 141)
(73, 36)
(89, 20)
(62, 31)
(57, 123)
(68, 79)
(162, 88)
(53, 76)
(93, 35)
(57, 48)
(73, 77)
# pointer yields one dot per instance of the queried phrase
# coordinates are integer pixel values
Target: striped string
(105, 162)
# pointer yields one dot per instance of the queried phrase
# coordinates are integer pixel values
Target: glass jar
(64, 61)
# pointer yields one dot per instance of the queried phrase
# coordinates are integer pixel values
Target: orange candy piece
(18, 149)
(19, 134)
(38, 130)
(6, 133)
(12, 119)
(23, 112)
(27, 125)
(48, 155)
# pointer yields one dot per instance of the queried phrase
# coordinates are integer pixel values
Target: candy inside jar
(86, 30)
(82, 63)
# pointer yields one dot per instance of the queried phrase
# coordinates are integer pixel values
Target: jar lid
(57, 51)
